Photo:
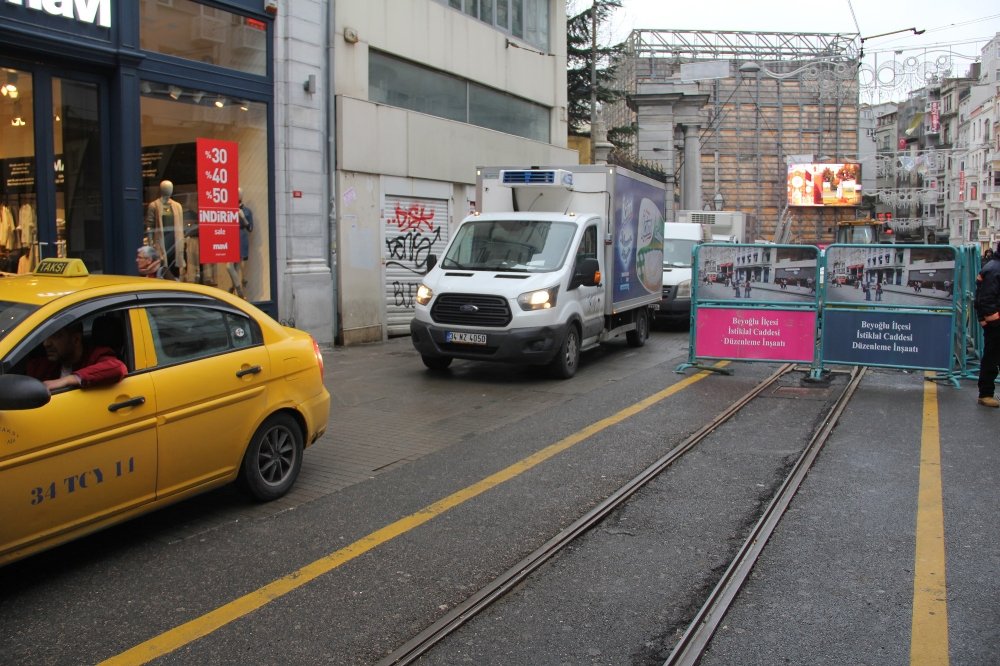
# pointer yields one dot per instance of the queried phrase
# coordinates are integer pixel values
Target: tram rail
(700, 630)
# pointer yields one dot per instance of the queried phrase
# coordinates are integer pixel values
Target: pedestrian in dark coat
(987, 305)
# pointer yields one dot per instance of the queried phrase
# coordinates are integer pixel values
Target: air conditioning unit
(249, 38)
(208, 31)
(537, 178)
(727, 224)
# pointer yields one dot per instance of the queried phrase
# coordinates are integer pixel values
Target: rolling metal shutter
(413, 227)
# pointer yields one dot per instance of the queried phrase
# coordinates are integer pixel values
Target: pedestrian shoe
(989, 401)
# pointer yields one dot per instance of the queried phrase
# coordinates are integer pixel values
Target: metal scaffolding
(770, 96)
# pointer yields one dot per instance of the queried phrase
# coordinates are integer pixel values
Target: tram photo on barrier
(771, 273)
(891, 274)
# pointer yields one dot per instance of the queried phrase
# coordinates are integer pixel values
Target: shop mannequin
(237, 271)
(165, 228)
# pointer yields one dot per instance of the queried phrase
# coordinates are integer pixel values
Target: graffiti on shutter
(414, 228)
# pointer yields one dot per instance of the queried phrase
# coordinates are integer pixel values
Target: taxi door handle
(131, 402)
(252, 370)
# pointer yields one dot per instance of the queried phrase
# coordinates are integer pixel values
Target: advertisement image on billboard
(830, 184)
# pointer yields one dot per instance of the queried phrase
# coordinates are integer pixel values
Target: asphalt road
(429, 485)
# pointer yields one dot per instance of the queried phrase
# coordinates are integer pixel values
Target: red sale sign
(218, 201)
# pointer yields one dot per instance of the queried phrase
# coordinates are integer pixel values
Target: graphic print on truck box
(639, 252)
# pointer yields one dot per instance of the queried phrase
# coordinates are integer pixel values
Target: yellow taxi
(174, 389)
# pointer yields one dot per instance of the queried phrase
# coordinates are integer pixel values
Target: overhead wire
(854, 16)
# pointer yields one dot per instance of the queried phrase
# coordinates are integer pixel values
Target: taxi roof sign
(62, 267)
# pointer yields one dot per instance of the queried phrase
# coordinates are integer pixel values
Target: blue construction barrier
(906, 306)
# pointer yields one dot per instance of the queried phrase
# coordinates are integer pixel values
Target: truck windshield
(529, 246)
(857, 234)
(677, 252)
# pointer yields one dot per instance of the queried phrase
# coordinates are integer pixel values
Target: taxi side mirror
(22, 392)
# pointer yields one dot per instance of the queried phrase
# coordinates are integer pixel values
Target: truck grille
(471, 310)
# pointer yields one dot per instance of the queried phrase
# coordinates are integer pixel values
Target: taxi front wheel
(273, 459)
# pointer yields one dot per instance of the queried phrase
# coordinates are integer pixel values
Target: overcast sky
(964, 26)
(954, 32)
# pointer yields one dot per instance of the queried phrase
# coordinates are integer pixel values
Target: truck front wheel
(565, 363)
(637, 336)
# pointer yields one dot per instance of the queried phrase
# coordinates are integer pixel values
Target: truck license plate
(465, 338)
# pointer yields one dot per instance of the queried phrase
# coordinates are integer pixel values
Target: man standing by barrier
(988, 312)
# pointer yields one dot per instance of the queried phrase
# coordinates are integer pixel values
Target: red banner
(218, 201)
(935, 117)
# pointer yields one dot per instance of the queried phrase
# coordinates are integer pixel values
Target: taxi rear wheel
(273, 459)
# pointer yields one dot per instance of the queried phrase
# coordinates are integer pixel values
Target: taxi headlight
(424, 294)
(684, 289)
(542, 299)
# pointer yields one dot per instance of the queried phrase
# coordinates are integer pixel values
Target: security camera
(271, 7)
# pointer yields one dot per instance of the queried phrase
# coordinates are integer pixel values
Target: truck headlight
(684, 289)
(424, 294)
(538, 300)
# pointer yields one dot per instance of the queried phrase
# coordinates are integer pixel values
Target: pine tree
(579, 52)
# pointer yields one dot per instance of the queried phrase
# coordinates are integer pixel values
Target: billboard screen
(828, 184)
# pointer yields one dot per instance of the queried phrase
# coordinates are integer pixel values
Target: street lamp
(861, 53)
(894, 32)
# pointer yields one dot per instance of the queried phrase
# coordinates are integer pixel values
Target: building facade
(729, 115)
(109, 109)
(425, 91)
(351, 129)
(938, 158)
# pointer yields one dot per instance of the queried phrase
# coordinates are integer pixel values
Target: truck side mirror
(587, 274)
(432, 261)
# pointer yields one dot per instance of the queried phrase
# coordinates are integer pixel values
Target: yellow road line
(929, 628)
(199, 627)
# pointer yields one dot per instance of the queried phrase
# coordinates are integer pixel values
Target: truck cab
(679, 241)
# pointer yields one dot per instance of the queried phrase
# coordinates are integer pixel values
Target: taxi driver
(68, 362)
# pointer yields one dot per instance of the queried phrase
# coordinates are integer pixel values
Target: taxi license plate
(465, 338)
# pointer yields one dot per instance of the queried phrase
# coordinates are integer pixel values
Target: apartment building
(352, 130)
(424, 91)
(938, 158)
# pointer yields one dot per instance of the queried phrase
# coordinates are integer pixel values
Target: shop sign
(17, 174)
(94, 12)
(218, 201)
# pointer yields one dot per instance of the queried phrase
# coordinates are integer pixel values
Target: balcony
(991, 196)
(955, 206)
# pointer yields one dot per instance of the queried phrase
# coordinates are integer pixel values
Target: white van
(679, 241)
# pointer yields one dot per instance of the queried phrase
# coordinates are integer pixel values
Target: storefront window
(78, 172)
(19, 249)
(174, 121)
(186, 29)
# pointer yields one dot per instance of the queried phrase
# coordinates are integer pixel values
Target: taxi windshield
(12, 314)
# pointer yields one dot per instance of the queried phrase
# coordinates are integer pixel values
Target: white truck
(555, 261)
(679, 241)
